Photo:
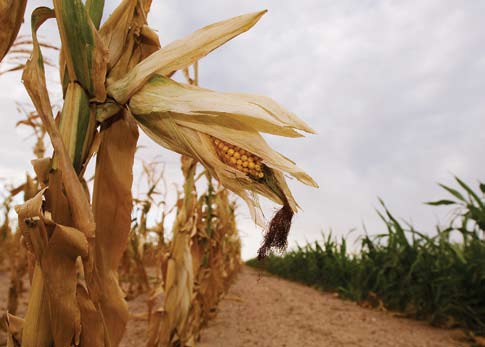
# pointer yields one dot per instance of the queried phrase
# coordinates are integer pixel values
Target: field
(101, 246)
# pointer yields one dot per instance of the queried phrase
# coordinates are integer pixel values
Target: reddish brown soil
(265, 311)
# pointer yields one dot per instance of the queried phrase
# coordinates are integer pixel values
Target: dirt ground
(265, 311)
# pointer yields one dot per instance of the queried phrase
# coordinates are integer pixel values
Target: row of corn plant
(197, 264)
(115, 78)
(436, 276)
(201, 257)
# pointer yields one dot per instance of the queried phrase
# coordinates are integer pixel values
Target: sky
(394, 90)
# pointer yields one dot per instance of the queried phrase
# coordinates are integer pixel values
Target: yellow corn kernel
(238, 158)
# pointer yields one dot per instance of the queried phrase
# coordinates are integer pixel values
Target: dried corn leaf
(180, 54)
(60, 274)
(93, 327)
(115, 30)
(11, 18)
(112, 204)
(56, 254)
(34, 81)
(14, 329)
(36, 331)
(139, 42)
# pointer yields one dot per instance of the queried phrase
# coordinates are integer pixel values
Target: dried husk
(180, 54)
(186, 119)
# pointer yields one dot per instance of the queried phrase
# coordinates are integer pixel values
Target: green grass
(439, 278)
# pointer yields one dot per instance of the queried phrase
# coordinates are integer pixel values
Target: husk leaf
(180, 54)
(162, 94)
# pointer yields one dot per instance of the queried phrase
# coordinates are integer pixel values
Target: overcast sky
(395, 90)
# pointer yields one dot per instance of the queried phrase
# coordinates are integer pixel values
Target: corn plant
(439, 277)
(115, 78)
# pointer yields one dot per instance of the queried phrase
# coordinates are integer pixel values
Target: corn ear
(180, 54)
(11, 18)
(177, 118)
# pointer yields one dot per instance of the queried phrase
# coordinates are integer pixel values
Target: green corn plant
(438, 277)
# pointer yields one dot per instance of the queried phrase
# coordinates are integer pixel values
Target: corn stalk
(169, 323)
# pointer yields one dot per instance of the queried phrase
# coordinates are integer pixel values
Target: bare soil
(266, 311)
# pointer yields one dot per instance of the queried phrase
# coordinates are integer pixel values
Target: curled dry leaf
(34, 81)
(53, 294)
(112, 204)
